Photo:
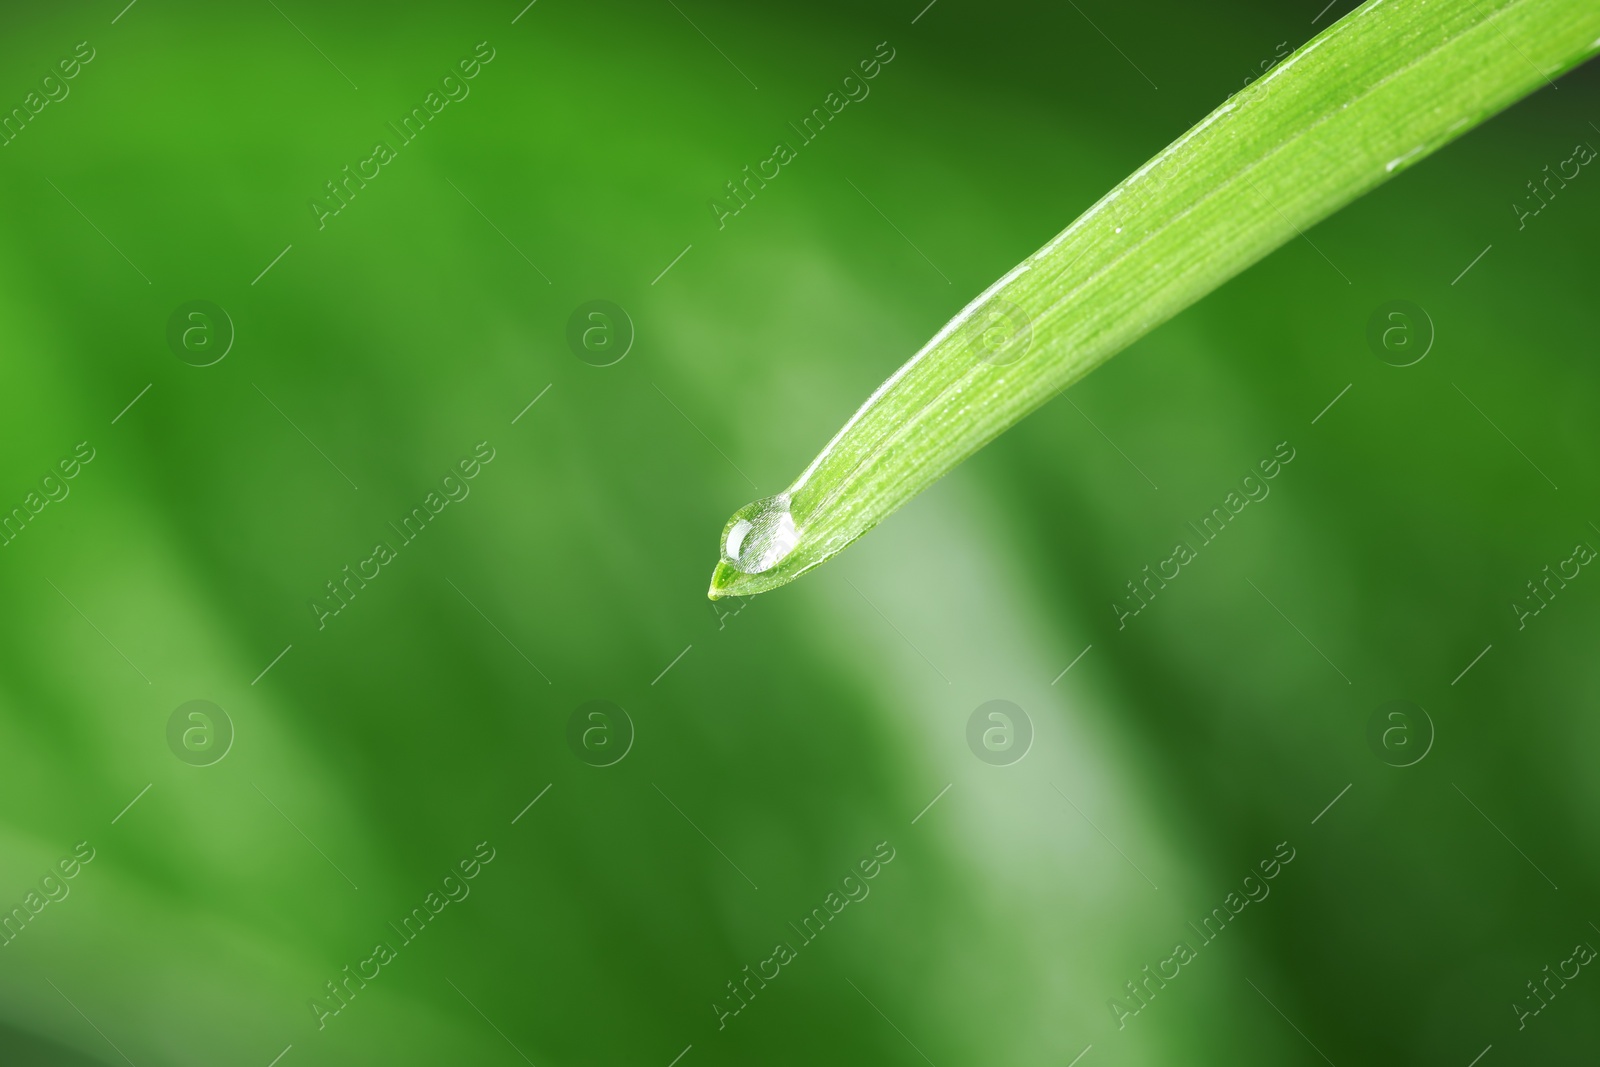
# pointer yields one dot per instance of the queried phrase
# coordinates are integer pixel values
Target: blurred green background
(774, 745)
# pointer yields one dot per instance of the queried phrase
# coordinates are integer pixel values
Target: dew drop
(760, 535)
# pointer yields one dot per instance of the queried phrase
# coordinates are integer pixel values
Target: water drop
(760, 535)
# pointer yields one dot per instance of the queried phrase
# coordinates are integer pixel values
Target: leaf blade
(1378, 91)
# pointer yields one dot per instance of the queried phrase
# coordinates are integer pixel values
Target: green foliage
(798, 732)
(1381, 89)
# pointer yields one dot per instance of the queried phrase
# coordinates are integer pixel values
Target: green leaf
(1376, 92)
